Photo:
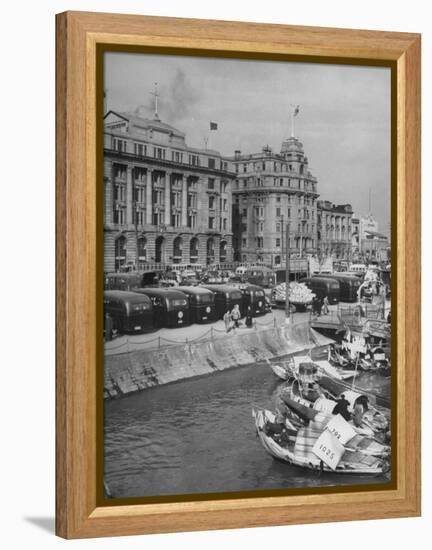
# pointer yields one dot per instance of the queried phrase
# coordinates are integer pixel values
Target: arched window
(222, 251)
(159, 249)
(193, 250)
(142, 249)
(177, 250)
(210, 250)
(120, 252)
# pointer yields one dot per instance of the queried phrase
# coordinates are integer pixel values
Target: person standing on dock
(227, 321)
(236, 316)
(325, 306)
(249, 317)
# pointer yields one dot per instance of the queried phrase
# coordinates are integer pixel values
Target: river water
(198, 436)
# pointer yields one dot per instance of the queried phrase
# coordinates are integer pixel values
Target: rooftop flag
(213, 126)
(297, 110)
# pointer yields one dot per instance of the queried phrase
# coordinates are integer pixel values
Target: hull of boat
(308, 461)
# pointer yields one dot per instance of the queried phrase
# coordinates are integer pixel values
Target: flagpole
(292, 121)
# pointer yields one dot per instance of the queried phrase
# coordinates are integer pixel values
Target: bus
(260, 275)
(349, 285)
(202, 307)
(324, 286)
(226, 297)
(170, 306)
(254, 296)
(130, 312)
(130, 280)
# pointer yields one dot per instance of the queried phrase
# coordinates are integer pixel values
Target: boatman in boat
(342, 406)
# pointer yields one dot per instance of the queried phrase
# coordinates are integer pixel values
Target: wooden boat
(360, 456)
(336, 387)
(281, 370)
(288, 369)
(368, 419)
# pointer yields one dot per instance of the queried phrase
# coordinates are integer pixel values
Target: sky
(343, 121)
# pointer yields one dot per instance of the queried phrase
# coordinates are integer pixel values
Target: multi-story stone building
(373, 244)
(270, 191)
(334, 229)
(165, 202)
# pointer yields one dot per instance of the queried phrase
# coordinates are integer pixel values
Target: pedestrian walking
(227, 321)
(325, 306)
(249, 317)
(316, 306)
(236, 316)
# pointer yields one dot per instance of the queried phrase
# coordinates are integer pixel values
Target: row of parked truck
(147, 309)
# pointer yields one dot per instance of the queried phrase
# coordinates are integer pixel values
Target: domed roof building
(165, 202)
(271, 190)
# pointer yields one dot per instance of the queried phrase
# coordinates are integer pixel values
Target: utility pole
(282, 239)
(287, 274)
(135, 219)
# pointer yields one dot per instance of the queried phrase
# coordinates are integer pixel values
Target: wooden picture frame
(78, 513)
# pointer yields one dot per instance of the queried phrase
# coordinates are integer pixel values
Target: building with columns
(335, 230)
(272, 190)
(165, 202)
(373, 245)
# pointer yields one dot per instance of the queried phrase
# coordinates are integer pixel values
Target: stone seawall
(138, 370)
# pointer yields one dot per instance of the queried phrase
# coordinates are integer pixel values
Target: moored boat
(336, 387)
(358, 455)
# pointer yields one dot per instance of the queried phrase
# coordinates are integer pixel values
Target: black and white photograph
(247, 275)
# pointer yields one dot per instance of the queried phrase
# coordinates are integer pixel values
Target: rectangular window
(244, 242)
(211, 203)
(119, 145)
(119, 215)
(278, 227)
(191, 220)
(194, 160)
(211, 222)
(211, 163)
(175, 220)
(278, 199)
(278, 242)
(211, 183)
(120, 172)
(278, 212)
(140, 149)
(224, 224)
(192, 200)
(140, 194)
(140, 217)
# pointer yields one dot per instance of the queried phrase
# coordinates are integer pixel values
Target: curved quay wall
(137, 370)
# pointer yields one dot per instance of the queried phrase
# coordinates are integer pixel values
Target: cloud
(179, 97)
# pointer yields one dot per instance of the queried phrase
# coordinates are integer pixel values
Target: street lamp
(287, 275)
